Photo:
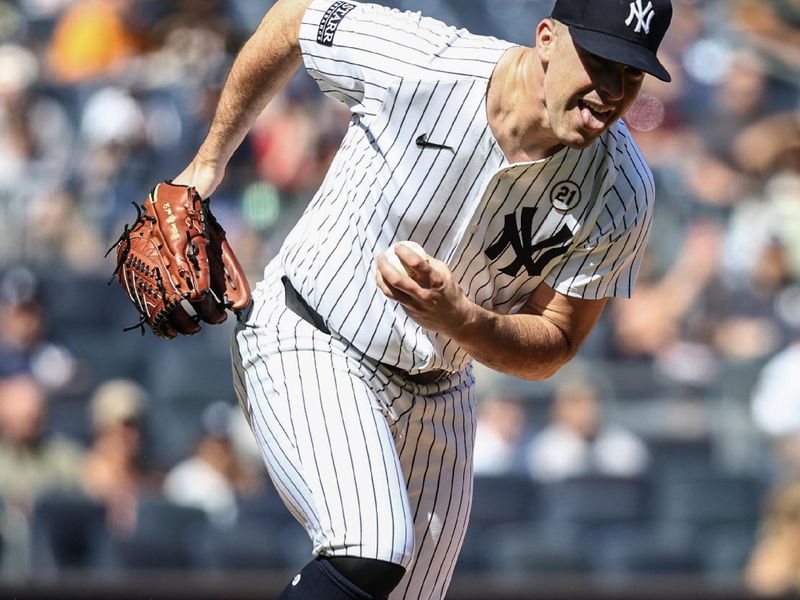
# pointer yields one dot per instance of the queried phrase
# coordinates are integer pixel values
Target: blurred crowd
(101, 99)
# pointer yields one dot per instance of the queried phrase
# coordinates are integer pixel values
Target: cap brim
(622, 51)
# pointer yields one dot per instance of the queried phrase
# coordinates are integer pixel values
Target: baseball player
(511, 168)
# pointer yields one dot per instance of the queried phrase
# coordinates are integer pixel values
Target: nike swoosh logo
(422, 142)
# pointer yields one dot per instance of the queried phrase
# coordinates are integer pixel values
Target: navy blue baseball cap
(624, 31)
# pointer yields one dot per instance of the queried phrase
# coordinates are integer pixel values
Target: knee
(376, 577)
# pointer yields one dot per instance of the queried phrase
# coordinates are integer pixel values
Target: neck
(516, 111)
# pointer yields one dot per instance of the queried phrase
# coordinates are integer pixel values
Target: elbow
(545, 367)
(542, 372)
(524, 367)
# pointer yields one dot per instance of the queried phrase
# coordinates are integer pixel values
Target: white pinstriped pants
(371, 465)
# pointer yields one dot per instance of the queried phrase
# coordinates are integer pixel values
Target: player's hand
(204, 177)
(432, 296)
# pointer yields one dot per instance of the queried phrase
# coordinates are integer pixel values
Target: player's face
(584, 94)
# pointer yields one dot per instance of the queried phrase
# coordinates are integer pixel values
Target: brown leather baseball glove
(176, 251)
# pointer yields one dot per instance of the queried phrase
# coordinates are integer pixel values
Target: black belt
(297, 304)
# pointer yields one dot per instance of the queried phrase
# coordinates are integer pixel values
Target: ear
(546, 35)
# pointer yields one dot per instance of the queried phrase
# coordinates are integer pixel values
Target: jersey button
(474, 229)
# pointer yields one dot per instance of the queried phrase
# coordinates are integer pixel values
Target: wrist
(466, 322)
(203, 175)
(209, 159)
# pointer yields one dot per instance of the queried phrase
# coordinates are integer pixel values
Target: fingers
(391, 281)
(179, 321)
(418, 268)
(398, 280)
(228, 279)
(413, 294)
(209, 310)
(431, 296)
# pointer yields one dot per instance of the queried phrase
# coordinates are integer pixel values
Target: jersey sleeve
(354, 51)
(607, 263)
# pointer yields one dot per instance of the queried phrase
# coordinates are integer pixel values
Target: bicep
(574, 317)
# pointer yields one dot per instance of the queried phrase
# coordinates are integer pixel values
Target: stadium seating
(67, 532)
(166, 536)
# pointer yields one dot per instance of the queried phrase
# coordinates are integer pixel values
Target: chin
(583, 143)
(580, 139)
(573, 134)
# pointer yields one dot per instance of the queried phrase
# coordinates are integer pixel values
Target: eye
(593, 59)
(594, 62)
(634, 73)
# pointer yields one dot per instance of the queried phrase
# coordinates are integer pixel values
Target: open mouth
(595, 117)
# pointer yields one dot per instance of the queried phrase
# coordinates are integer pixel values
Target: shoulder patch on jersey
(331, 20)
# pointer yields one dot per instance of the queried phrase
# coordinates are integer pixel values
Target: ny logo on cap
(644, 15)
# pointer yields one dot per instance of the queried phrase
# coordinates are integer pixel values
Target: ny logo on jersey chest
(520, 239)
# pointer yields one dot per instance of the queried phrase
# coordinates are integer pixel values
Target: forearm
(532, 344)
(524, 345)
(264, 65)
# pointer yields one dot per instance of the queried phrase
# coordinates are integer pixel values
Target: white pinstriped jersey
(577, 220)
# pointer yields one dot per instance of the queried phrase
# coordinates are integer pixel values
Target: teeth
(598, 109)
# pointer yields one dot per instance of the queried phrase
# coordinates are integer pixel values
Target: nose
(611, 83)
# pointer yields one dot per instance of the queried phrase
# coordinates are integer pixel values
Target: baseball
(392, 257)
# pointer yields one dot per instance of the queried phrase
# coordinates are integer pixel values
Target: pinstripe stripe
(289, 481)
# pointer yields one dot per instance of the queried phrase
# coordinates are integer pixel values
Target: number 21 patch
(565, 196)
(330, 22)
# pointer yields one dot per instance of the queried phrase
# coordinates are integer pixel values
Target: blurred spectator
(213, 477)
(774, 565)
(38, 8)
(244, 442)
(770, 146)
(191, 45)
(754, 303)
(36, 137)
(651, 324)
(112, 117)
(776, 409)
(19, 69)
(500, 436)
(93, 38)
(739, 99)
(115, 471)
(31, 460)
(578, 441)
(773, 27)
(23, 337)
(284, 140)
(746, 322)
(118, 156)
(770, 150)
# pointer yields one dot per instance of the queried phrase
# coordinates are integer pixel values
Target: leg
(434, 441)
(344, 578)
(377, 577)
(327, 446)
